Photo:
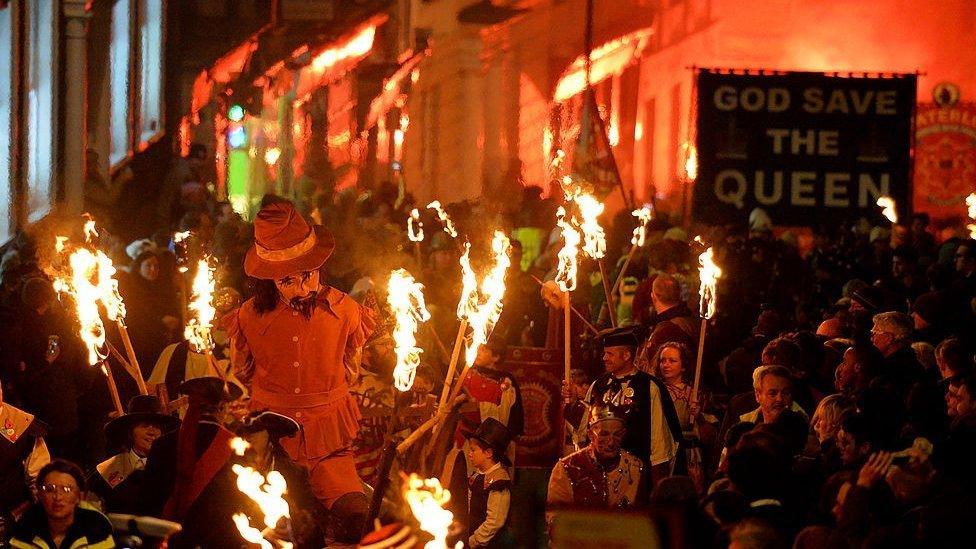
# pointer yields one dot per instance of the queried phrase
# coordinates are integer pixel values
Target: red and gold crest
(945, 158)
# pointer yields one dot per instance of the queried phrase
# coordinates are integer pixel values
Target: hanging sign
(808, 148)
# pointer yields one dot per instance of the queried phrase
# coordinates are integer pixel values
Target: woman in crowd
(827, 419)
(57, 520)
(671, 364)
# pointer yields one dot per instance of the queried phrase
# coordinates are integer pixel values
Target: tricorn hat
(141, 409)
(619, 337)
(284, 243)
(277, 425)
(211, 388)
(493, 434)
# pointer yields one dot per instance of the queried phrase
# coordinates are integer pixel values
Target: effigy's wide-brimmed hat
(285, 244)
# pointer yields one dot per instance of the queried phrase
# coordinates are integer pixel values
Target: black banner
(808, 148)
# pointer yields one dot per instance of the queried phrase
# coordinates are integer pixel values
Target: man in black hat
(188, 472)
(118, 481)
(653, 429)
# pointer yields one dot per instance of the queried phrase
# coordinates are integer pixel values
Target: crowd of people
(833, 405)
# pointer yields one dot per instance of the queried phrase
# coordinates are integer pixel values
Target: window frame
(143, 135)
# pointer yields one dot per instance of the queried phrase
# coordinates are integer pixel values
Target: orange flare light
(888, 208)
(359, 45)
(691, 161)
(971, 204)
(607, 60)
(406, 298)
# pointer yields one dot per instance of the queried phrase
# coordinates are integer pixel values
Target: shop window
(6, 106)
(151, 27)
(40, 107)
(119, 66)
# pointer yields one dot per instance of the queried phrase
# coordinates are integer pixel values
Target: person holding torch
(297, 346)
(653, 428)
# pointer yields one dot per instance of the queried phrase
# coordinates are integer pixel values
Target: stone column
(75, 74)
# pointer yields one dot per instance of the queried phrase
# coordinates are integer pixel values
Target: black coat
(209, 521)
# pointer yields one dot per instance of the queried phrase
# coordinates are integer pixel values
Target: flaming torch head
(709, 273)
(84, 269)
(202, 312)
(484, 312)
(594, 238)
(566, 273)
(643, 216)
(406, 299)
(90, 279)
(267, 493)
(469, 285)
(888, 208)
(427, 498)
(445, 219)
(415, 229)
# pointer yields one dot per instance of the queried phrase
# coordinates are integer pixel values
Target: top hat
(141, 409)
(285, 244)
(493, 434)
(211, 388)
(277, 425)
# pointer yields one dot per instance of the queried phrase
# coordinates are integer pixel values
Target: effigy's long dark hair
(265, 296)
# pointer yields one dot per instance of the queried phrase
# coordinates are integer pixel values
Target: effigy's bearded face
(299, 290)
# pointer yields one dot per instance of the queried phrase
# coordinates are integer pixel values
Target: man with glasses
(57, 520)
(297, 345)
(891, 335)
(603, 474)
(22, 455)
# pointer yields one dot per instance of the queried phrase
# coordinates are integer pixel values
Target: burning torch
(639, 238)
(708, 273)
(566, 278)
(198, 331)
(406, 299)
